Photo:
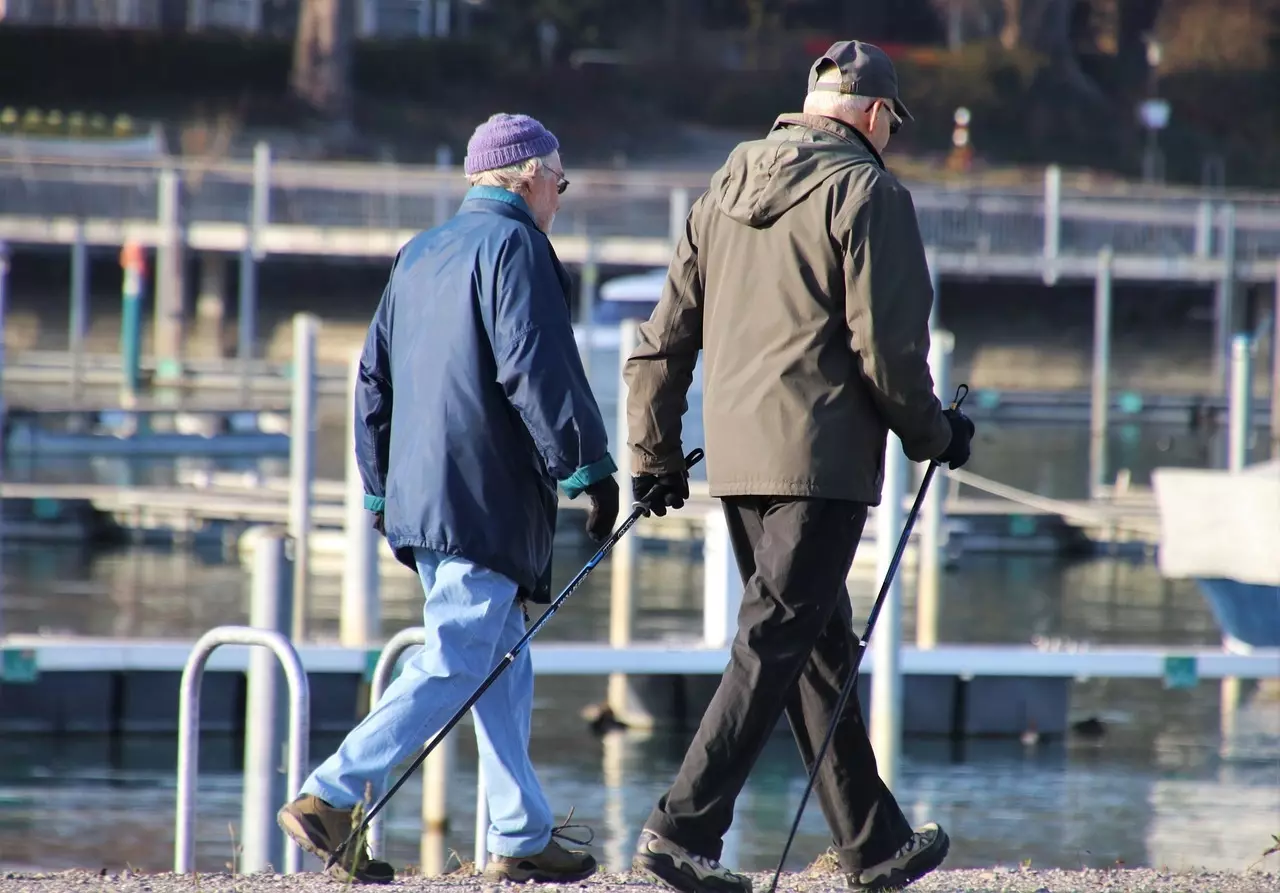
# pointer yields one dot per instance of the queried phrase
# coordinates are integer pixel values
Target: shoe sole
(291, 825)
(676, 878)
(540, 877)
(899, 878)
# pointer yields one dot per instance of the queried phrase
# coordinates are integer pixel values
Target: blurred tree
(321, 75)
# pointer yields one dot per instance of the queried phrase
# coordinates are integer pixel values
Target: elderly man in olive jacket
(802, 276)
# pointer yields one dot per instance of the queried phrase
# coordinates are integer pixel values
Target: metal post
(1204, 228)
(1239, 408)
(302, 433)
(170, 292)
(378, 682)
(444, 160)
(245, 321)
(360, 615)
(679, 213)
(1101, 373)
(886, 639)
(1052, 221)
(270, 608)
(134, 265)
(79, 309)
(586, 304)
(1275, 372)
(189, 739)
(933, 511)
(482, 819)
(935, 285)
(435, 805)
(622, 558)
(721, 583)
(1225, 311)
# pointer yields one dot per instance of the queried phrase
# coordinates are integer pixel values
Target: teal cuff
(587, 475)
(375, 503)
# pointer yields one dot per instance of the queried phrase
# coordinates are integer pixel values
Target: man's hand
(379, 523)
(604, 508)
(957, 452)
(660, 492)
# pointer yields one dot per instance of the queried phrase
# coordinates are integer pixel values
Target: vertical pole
(482, 819)
(679, 213)
(134, 265)
(444, 160)
(302, 428)
(1101, 374)
(4, 410)
(360, 614)
(935, 285)
(79, 310)
(435, 805)
(721, 583)
(1225, 312)
(933, 511)
(245, 321)
(1052, 222)
(622, 558)
(1240, 409)
(1275, 372)
(1204, 228)
(265, 721)
(586, 304)
(170, 293)
(886, 639)
(368, 18)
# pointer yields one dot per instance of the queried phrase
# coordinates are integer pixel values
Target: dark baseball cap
(865, 70)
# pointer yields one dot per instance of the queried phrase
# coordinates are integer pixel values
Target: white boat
(1222, 530)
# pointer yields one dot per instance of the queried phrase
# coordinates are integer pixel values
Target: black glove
(662, 491)
(379, 523)
(957, 452)
(604, 508)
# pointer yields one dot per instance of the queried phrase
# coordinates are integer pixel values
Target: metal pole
(482, 819)
(134, 266)
(622, 559)
(378, 682)
(935, 284)
(270, 608)
(1275, 372)
(435, 805)
(360, 616)
(1225, 311)
(933, 512)
(1240, 409)
(246, 321)
(302, 432)
(189, 720)
(79, 309)
(886, 640)
(1101, 373)
(1052, 221)
(678, 209)
(721, 583)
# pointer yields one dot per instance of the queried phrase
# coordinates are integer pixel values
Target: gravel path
(999, 880)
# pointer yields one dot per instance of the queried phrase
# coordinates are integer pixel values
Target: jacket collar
(830, 126)
(506, 201)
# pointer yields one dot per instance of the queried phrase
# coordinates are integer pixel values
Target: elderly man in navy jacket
(472, 405)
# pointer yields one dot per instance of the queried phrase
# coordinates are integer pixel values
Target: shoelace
(558, 831)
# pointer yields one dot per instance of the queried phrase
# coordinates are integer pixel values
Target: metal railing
(1063, 217)
(188, 731)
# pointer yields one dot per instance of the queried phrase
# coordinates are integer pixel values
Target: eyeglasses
(894, 122)
(561, 183)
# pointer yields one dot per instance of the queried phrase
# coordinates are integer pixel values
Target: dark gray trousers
(793, 651)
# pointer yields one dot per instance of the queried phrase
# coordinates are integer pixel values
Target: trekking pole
(638, 510)
(961, 392)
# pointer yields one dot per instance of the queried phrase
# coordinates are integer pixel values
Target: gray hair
(837, 105)
(514, 177)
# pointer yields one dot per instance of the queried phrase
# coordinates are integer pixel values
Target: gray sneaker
(921, 854)
(673, 866)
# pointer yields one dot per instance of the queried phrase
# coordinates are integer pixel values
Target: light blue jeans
(472, 620)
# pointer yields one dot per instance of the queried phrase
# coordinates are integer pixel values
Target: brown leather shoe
(554, 864)
(320, 828)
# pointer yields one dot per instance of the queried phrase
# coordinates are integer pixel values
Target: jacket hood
(763, 179)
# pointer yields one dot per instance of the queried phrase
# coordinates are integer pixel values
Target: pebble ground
(999, 880)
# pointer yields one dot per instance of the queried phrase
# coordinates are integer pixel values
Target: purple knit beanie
(507, 139)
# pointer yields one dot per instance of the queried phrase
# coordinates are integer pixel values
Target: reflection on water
(66, 803)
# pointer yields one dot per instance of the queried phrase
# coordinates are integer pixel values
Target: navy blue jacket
(472, 402)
